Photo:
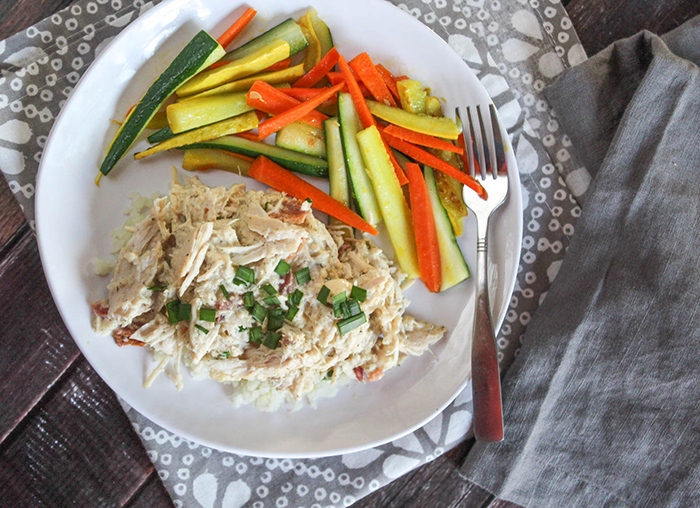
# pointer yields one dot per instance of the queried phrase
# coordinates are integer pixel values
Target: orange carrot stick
(319, 70)
(302, 94)
(424, 157)
(269, 173)
(272, 125)
(248, 135)
(419, 138)
(424, 226)
(282, 64)
(337, 77)
(364, 67)
(269, 99)
(390, 81)
(237, 27)
(362, 109)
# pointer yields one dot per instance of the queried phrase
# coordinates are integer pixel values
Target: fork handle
(486, 382)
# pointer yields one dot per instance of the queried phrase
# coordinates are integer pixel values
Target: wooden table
(51, 399)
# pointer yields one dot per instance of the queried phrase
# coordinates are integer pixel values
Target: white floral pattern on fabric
(516, 48)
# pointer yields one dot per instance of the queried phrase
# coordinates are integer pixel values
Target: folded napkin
(601, 406)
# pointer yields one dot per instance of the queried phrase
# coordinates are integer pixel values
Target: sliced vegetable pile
(361, 127)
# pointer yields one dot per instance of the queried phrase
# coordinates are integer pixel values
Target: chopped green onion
(201, 329)
(323, 295)
(224, 291)
(349, 324)
(269, 289)
(156, 288)
(345, 309)
(328, 376)
(302, 276)
(308, 200)
(358, 293)
(291, 313)
(337, 310)
(272, 339)
(272, 301)
(242, 329)
(244, 275)
(249, 300)
(275, 319)
(259, 312)
(295, 298)
(266, 206)
(207, 315)
(184, 312)
(172, 307)
(339, 298)
(282, 268)
(256, 333)
(224, 354)
(354, 307)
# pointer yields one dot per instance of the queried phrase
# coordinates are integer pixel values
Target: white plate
(75, 218)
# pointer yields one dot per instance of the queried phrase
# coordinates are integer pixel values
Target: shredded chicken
(191, 246)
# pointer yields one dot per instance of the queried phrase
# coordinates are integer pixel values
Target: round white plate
(75, 219)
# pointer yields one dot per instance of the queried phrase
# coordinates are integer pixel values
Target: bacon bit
(375, 375)
(100, 308)
(122, 336)
(286, 285)
(232, 303)
(359, 373)
(290, 212)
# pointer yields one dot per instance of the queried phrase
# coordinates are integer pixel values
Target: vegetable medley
(289, 102)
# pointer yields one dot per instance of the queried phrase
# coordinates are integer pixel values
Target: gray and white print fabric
(516, 48)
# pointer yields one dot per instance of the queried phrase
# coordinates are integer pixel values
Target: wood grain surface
(64, 439)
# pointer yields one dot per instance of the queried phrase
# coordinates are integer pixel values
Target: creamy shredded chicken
(192, 243)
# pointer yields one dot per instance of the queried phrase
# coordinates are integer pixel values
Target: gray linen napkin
(601, 404)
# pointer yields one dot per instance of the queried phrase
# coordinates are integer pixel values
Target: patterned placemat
(516, 48)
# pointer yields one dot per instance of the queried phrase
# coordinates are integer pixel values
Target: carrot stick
(419, 138)
(248, 135)
(282, 64)
(337, 77)
(401, 78)
(319, 70)
(237, 27)
(302, 94)
(362, 110)
(424, 226)
(390, 81)
(424, 157)
(272, 125)
(269, 99)
(364, 67)
(269, 173)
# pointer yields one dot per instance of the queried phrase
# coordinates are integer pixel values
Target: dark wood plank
(36, 348)
(11, 218)
(151, 495)
(16, 15)
(75, 449)
(599, 23)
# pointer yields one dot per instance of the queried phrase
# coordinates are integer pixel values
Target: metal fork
(492, 173)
